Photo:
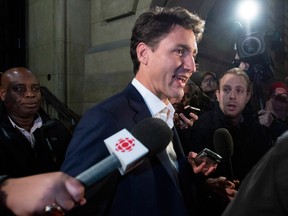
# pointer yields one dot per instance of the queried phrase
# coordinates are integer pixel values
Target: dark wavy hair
(152, 26)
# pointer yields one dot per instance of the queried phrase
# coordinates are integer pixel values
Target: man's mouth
(30, 104)
(183, 79)
(231, 106)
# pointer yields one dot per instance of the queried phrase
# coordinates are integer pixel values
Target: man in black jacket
(249, 139)
(30, 141)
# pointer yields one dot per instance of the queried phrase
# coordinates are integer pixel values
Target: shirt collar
(155, 105)
(37, 124)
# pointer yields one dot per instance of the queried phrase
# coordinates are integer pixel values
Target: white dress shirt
(29, 134)
(159, 109)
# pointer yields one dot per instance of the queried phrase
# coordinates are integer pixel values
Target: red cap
(277, 85)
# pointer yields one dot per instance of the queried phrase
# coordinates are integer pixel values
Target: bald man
(30, 141)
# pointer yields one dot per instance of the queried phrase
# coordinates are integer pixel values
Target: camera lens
(251, 46)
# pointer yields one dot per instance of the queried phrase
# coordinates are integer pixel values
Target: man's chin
(30, 112)
(232, 115)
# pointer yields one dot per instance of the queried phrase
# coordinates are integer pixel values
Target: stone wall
(59, 35)
(108, 67)
(79, 49)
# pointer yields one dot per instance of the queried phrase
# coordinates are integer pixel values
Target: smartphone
(188, 109)
(208, 156)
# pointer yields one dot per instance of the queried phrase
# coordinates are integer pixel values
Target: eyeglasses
(281, 97)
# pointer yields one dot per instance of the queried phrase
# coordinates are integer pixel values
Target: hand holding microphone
(147, 138)
(225, 187)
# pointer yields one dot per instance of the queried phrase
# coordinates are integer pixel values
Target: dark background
(216, 50)
(12, 34)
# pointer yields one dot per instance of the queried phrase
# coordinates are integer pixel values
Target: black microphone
(223, 145)
(152, 136)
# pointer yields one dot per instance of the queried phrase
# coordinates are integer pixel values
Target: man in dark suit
(163, 50)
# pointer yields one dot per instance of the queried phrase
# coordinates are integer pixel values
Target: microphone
(149, 137)
(223, 145)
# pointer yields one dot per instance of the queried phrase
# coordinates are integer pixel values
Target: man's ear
(2, 93)
(142, 53)
(217, 94)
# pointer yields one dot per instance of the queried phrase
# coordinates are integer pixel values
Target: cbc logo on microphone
(125, 144)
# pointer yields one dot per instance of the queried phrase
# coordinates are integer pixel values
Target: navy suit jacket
(150, 188)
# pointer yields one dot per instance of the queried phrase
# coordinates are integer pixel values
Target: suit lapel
(177, 144)
(166, 163)
(138, 104)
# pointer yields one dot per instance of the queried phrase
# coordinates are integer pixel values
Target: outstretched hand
(30, 195)
(204, 168)
(265, 118)
(223, 187)
(182, 122)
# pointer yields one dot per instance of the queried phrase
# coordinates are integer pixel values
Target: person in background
(179, 104)
(191, 98)
(30, 141)
(264, 191)
(209, 85)
(275, 116)
(249, 139)
(163, 49)
(198, 99)
(30, 195)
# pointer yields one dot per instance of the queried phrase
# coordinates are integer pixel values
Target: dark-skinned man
(30, 141)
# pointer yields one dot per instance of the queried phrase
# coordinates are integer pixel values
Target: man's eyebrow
(186, 47)
(17, 84)
(238, 86)
(22, 84)
(241, 86)
(226, 85)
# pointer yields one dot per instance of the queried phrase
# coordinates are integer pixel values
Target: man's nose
(29, 93)
(189, 63)
(232, 94)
